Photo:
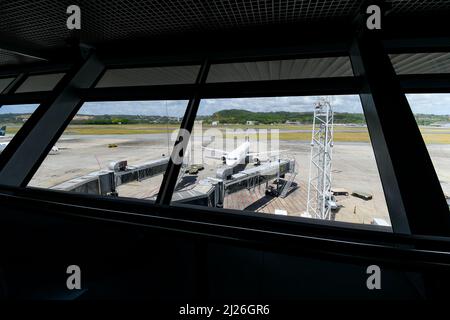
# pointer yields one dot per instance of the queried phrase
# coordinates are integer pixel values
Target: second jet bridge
(209, 192)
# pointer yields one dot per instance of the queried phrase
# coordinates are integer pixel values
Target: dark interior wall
(127, 261)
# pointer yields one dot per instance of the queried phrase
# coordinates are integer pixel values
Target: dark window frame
(227, 90)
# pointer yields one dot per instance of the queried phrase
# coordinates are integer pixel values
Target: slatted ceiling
(4, 83)
(280, 70)
(149, 76)
(411, 6)
(39, 23)
(43, 82)
(104, 20)
(421, 63)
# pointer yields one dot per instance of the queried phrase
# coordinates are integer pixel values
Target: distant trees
(232, 116)
(236, 116)
(428, 119)
(104, 121)
(125, 119)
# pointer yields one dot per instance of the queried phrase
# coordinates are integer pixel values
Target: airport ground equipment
(362, 195)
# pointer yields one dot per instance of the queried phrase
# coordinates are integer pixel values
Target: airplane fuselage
(238, 155)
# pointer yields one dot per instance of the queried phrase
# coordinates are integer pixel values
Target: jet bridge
(208, 192)
(212, 191)
(105, 182)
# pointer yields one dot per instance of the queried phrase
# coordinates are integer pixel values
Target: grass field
(431, 135)
(118, 129)
(108, 129)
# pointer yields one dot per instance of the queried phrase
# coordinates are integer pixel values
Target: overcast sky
(420, 103)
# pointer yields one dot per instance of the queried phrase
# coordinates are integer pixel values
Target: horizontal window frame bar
(425, 83)
(36, 97)
(33, 69)
(416, 83)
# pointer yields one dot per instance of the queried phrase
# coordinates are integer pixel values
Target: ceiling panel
(421, 63)
(281, 70)
(42, 24)
(41, 82)
(149, 76)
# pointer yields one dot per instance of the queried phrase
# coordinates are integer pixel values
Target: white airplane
(54, 150)
(238, 155)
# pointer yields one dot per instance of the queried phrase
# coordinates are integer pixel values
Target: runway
(354, 168)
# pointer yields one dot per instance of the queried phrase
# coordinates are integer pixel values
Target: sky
(420, 103)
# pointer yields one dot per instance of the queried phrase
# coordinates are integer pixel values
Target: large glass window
(114, 148)
(12, 118)
(432, 113)
(294, 156)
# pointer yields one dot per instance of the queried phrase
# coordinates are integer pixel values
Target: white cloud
(21, 108)
(147, 108)
(348, 103)
(436, 103)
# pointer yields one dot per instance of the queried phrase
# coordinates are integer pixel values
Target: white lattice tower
(319, 185)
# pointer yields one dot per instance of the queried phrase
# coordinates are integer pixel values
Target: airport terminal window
(12, 118)
(258, 154)
(113, 148)
(432, 113)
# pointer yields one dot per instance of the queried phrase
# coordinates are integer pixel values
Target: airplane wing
(215, 158)
(265, 152)
(221, 152)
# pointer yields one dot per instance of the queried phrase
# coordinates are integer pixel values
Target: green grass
(118, 129)
(341, 133)
(283, 127)
(338, 136)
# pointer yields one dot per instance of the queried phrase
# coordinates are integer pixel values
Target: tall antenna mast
(319, 185)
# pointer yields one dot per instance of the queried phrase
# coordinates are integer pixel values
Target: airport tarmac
(354, 169)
